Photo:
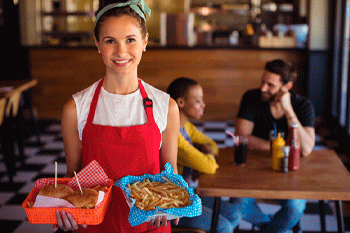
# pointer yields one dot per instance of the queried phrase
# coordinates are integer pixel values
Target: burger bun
(87, 199)
(61, 191)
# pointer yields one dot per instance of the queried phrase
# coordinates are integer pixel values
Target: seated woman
(196, 153)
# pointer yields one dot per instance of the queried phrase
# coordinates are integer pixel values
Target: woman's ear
(180, 102)
(145, 42)
(97, 44)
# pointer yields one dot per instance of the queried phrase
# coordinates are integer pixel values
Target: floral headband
(139, 6)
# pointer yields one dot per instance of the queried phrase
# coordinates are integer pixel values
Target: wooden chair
(11, 121)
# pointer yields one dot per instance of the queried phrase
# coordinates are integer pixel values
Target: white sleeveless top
(121, 110)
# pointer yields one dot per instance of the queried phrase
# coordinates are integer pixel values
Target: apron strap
(94, 103)
(147, 103)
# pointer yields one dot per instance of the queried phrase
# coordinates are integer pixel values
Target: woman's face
(193, 104)
(121, 44)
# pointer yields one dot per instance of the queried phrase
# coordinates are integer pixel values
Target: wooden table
(322, 176)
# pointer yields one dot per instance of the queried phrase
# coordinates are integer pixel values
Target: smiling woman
(108, 121)
(121, 48)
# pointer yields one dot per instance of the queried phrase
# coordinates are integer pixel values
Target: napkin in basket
(89, 177)
(137, 216)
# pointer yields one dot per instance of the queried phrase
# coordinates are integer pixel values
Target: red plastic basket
(82, 216)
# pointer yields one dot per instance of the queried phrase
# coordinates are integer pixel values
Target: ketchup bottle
(294, 143)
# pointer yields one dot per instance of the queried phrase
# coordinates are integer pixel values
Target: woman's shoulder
(190, 128)
(154, 92)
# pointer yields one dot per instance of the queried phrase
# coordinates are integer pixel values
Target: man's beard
(267, 97)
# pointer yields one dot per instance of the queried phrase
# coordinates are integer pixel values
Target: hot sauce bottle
(294, 143)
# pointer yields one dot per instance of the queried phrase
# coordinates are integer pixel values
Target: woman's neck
(183, 120)
(121, 84)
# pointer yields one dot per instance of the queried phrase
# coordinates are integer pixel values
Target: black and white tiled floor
(39, 163)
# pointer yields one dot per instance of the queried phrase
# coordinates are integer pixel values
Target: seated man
(275, 107)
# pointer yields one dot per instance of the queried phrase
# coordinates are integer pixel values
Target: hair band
(139, 6)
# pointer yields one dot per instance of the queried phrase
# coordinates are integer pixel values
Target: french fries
(166, 195)
(30, 204)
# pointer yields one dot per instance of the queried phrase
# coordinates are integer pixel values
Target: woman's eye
(109, 41)
(131, 40)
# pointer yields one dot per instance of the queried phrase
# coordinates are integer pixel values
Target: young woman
(196, 153)
(126, 125)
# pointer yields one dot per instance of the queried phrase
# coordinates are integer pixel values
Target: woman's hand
(66, 222)
(204, 148)
(162, 221)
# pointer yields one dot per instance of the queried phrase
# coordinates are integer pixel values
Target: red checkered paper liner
(89, 177)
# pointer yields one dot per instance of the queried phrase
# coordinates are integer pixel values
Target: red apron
(122, 151)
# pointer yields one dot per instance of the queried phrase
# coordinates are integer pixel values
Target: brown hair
(116, 12)
(284, 69)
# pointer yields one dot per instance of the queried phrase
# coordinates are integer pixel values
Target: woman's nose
(119, 49)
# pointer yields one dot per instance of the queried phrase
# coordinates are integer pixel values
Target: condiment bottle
(284, 163)
(294, 143)
(277, 154)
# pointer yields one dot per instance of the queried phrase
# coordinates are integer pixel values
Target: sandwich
(87, 199)
(61, 191)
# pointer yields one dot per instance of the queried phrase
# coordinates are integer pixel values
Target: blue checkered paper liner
(137, 216)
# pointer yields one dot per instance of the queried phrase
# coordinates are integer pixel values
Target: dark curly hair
(179, 87)
(284, 69)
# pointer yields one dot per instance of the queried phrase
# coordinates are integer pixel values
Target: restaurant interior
(49, 54)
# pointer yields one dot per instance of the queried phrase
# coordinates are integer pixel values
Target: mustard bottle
(277, 154)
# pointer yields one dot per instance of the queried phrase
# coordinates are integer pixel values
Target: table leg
(322, 216)
(340, 217)
(215, 216)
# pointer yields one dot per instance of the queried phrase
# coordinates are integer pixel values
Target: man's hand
(283, 98)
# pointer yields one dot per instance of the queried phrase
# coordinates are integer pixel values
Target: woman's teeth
(121, 62)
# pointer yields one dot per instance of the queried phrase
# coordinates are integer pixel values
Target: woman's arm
(168, 151)
(71, 140)
(203, 140)
(72, 150)
(191, 157)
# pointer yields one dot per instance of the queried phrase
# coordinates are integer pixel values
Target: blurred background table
(322, 176)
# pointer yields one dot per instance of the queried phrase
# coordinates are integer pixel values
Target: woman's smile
(121, 62)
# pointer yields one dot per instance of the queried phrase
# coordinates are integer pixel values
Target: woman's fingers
(176, 221)
(72, 221)
(164, 221)
(157, 222)
(59, 219)
(66, 222)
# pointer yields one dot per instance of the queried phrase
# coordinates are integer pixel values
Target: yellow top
(189, 156)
